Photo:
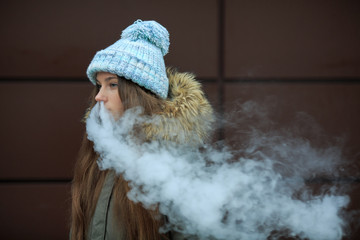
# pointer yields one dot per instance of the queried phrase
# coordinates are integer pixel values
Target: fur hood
(187, 116)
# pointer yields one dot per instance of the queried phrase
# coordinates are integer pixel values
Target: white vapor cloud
(257, 192)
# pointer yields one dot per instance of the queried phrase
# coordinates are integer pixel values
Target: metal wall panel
(59, 38)
(292, 38)
(40, 128)
(34, 211)
(320, 111)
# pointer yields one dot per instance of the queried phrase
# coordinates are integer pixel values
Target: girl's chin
(116, 115)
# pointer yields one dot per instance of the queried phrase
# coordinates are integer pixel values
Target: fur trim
(187, 115)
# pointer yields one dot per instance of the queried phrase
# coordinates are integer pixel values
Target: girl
(131, 73)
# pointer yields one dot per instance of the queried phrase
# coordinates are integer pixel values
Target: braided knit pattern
(137, 56)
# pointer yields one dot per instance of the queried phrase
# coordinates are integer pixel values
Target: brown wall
(304, 55)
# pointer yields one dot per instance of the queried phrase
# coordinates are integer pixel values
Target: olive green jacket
(102, 226)
(102, 223)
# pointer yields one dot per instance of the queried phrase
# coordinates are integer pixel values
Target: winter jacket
(187, 117)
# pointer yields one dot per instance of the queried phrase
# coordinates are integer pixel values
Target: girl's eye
(98, 86)
(113, 85)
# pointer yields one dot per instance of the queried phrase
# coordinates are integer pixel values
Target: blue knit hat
(137, 56)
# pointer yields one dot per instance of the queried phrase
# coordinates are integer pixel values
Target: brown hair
(140, 223)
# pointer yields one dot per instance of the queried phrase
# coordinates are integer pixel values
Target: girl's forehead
(105, 75)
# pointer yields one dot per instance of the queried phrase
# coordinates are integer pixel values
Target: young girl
(131, 73)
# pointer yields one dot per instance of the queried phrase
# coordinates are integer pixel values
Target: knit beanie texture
(137, 56)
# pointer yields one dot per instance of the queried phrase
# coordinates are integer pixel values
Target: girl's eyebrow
(107, 79)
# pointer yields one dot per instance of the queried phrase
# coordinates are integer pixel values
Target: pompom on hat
(138, 56)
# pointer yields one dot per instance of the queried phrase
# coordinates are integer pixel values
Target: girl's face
(107, 84)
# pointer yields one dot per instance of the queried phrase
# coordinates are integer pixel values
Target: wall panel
(34, 211)
(40, 128)
(59, 38)
(318, 111)
(292, 38)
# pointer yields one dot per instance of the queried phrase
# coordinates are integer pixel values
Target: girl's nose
(100, 97)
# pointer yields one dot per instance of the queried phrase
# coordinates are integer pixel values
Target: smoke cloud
(256, 192)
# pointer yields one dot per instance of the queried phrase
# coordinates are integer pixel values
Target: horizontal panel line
(35, 181)
(345, 80)
(67, 180)
(71, 80)
(42, 79)
(345, 180)
(326, 80)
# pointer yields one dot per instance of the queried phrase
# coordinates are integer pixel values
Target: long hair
(139, 223)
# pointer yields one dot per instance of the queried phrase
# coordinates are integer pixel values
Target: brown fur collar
(187, 116)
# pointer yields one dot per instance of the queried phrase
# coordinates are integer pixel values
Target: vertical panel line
(221, 65)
